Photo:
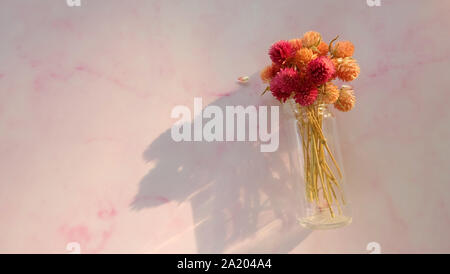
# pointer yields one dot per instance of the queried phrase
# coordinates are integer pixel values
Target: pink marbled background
(85, 148)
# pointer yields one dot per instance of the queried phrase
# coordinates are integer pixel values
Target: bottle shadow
(242, 200)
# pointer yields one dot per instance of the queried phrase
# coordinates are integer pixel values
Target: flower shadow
(242, 200)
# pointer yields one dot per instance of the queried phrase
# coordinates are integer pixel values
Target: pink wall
(85, 149)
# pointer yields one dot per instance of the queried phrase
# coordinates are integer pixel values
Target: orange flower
(343, 49)
(329, 93)
(296, 44)
(269, 72)
(302, 57)
(346, 100)
(311, 38)
(346, 68)
(266, 74)
(322, 48)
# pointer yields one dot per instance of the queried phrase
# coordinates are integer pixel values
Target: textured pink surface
(85, 148)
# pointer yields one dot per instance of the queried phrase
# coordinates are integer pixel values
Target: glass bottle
(318, 163)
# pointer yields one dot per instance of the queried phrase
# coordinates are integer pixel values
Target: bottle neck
(302, 112)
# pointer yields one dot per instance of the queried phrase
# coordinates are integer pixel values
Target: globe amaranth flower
(280, 52)
(269, 72)
(284, 83)
(322, 48)
(346, 100)
(329, 93)
(296, 44)
(306, 95)
(343, 49)
(347, 69)
(320, 70)
(311, 38)
(302, 57)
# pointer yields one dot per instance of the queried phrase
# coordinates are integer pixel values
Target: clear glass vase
(317, 158)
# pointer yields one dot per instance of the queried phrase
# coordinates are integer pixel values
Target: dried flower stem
(321, 180)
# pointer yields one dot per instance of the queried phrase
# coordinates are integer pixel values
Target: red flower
(306, 96)
(284, 83)
(320, 70)
(280, 52)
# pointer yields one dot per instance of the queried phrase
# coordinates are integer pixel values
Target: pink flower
(306, 96)
(320, 70)
(280, 52)
(284, 83)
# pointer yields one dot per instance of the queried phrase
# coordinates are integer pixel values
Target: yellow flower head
(311, 38)
(302, 57)
(343, 49)
(322, 48)
(346, 100)
(346, 68)
(329, 93)
(269, 72)
(296, 44)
